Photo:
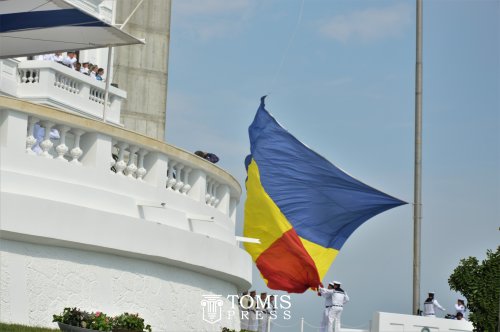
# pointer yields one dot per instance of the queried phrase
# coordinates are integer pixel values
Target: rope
(285, 53)
(310, 325)
(278, 325)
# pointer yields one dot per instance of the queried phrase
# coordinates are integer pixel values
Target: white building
(152, 232)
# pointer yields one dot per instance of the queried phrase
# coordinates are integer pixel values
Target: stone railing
(112, 158)
(53, 84)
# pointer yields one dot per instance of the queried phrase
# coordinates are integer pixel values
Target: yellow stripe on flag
(322, 257)
(263, 219)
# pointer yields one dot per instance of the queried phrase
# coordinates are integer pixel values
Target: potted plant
(76, 320)
(129, 322)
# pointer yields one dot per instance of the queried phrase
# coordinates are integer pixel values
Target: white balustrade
(62, 148)
(178, 177)
(121, 164)
(29, 76)
(89, 146)
(47, 142)
(67, 83)
(53, 84)
(131, 166)
(96, 95)
(76, 152)
(211, 198)
(141, 171)
(171, 179)
(31, 140)
(130, 160)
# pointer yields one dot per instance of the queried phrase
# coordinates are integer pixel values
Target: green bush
(100, 321)
(131, 322)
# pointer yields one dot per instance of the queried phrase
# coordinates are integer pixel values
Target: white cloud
(368, 24)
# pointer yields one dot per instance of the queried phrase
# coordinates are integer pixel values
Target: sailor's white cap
(335, 283)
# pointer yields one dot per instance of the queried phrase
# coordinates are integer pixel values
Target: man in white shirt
(57, 57)
(430, 306)
(244, 303)
(70, 59)
(335, 298)
(253, 323)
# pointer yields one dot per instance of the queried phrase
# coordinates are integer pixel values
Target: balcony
(50, 83)
(152, 201)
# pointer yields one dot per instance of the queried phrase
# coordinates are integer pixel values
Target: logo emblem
(212, 308)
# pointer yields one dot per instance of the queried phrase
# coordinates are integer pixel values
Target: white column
(30, 139)
(76, 152)
(98, 151)
(198, 185)
(46, 144)
(61, 148)
(13, 130)
(157, 165)
(224, 201)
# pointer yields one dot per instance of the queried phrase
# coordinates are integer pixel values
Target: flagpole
(417, 206)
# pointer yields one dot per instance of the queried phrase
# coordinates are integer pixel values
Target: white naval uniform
(39, 134)
(244, 320)
(460, 308)
(334, 304)
(70, 62)
(430, 308)
(264, 314)
(253, 324)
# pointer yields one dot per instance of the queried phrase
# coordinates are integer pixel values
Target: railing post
(199, 185)
(13, 130)
(156, 164)
(96, 149)
(233, 204)
(225, 197)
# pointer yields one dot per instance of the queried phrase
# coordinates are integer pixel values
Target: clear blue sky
(345, 87)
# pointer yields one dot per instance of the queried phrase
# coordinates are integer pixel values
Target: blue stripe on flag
(323, 204)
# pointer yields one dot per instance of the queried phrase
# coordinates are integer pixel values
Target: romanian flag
(300, 206)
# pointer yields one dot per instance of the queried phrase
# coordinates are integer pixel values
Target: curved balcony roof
(32, 27)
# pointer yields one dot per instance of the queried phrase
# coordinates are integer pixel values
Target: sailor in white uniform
(253, 323)
(430, 306)
(244, 303)
(460, 307)
(264, 312)
(335, 298)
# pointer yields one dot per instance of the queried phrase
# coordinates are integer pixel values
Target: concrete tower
(142, 70)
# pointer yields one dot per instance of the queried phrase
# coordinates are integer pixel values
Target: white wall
(386, 322)
(38, 281)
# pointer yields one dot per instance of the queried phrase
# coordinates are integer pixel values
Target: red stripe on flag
(287, 266)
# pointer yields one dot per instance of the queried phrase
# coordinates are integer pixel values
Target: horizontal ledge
(91, 125)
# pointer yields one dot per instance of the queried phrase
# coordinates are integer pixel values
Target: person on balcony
(430, 306)
(85, 68)
(93, 71)
(70, 59)
(253, 323)
(39, 134)
(244, 303)
(263, 312)
(57, 57)
(100, 73)
(208, 156)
